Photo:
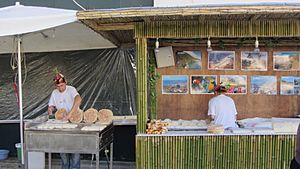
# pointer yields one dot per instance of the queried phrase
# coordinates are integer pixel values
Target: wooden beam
(110, 37)
(93, 25)
(115, 26)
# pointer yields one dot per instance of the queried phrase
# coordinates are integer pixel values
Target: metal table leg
(97, 160)
(111, 155)
(49, 160)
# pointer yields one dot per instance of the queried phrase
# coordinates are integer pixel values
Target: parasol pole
(20, 97)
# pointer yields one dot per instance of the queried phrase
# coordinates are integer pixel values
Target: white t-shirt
(64, 99)
(223, 108)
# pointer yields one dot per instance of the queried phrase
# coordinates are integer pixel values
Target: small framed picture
(221, 60)
(173, 84)
(188, 60)
(235, 84)
(202, 84)
(286, 61)
(290, 85)
(254, 61)
(264, 85)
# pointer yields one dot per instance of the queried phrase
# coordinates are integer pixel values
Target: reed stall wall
(214, 152)
(195, 106)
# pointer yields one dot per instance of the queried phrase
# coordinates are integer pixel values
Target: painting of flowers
(202, 84)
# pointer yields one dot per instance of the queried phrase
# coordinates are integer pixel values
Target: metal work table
(69, 141)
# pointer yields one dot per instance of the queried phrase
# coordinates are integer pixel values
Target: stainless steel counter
(69, 141)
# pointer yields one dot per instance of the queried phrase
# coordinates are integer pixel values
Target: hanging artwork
(188, 60)
(221, 60)
(286, 61)
(234, 84)
(174, 84)
(290, 85)
(265, 85)
(202, 84)
(256, 61)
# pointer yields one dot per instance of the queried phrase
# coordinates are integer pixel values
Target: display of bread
(76, 116)
(156, 127)
(215, 129)
(105, 116)
(90, 115)
(60, 114)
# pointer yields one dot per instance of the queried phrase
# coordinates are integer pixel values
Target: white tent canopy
(50, 30)
(21, 19)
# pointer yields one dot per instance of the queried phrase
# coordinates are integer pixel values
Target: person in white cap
(67, 97)
(222, 109)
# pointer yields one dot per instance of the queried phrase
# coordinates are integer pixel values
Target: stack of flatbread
(105, 116)
(90, 115)
(215, 129)
(76, 117)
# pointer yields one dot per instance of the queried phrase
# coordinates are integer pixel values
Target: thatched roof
(118, 24)
(191, 13)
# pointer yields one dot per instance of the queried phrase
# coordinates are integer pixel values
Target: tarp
(104, 79)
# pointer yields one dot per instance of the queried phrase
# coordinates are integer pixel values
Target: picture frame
(286, 61)
(254, 61)
(290, 85)
(235, 84)
(263, 85)
(202, 84)
(189, 59)
(221, 60)
(175, 84)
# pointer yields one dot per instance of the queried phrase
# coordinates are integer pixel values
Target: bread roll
(76, 117)
(105, 116)
(60, 114)
(90, 115)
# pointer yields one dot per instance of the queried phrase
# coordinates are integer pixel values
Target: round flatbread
(105, 116)
(60, 114)
(76, 117)
(90, 115)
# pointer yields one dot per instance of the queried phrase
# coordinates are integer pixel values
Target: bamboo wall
(214, 152)
(195, 106)
(220, 28)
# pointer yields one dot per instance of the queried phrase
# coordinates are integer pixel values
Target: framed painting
(254, 61)
(173, 84)
(202, 84)
(234, 84)
(290, 85)
(188, 60)
(221, 60)
(264, 85)
(286, 61)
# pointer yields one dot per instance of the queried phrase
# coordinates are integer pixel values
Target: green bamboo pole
(142, 75)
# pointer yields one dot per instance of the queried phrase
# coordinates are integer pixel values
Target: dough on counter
(105, 116)
(90, 115)
(94, 127)
(76, 117)
(60, 114)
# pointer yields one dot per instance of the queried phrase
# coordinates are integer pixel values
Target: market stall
(66, 137)
(244, 34)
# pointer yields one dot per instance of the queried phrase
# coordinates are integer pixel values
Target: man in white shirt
(222, 109)
(67, 97)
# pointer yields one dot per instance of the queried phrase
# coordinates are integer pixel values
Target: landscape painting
(286, 61)
(234, 84)
(221, 60)
(256, 61)
(188, 60)
(174, 84)
(264, 85)
(202, 84)
(290, 85)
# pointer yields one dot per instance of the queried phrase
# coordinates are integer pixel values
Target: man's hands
(50, 110)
